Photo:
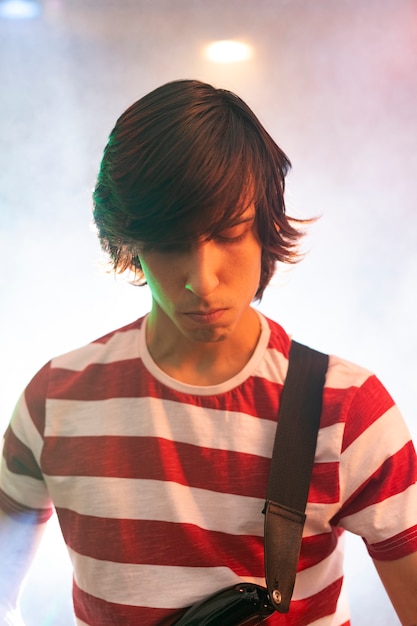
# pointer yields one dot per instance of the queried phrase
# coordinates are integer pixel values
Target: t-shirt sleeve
(22, 486)
(378, 475)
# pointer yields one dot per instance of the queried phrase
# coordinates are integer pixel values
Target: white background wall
(335, 83)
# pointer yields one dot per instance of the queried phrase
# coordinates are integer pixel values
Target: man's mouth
(210, 316)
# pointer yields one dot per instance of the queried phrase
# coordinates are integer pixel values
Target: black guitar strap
(291, 468)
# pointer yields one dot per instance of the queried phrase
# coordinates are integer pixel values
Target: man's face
(202, 291)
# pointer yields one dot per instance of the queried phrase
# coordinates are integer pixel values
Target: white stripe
(342, 614)
(328, 443)
(25, 430)
(154, 586)
(23, 489)
(342, 374)
(361, 459)
(273, 367)
(123, 498)
(385, 519)
(204, 427)
(150, 417)
(318, 516)
(121, 346)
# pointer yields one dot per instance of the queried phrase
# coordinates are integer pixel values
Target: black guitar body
(243, 604)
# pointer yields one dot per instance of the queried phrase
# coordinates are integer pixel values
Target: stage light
(19, 9)
(228, 51)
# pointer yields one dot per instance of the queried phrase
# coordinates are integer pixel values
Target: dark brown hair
(179, 165)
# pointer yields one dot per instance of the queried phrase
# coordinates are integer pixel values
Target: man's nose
(203, 265)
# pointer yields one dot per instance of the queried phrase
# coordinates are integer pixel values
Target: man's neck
(203, 364)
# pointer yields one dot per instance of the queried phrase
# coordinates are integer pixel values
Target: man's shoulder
(116, 345)
(133, 327)
(278, 337)
(342, 373)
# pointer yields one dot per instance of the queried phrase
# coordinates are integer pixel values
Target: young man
(153, 443)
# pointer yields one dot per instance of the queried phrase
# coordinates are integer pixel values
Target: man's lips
(205, 317)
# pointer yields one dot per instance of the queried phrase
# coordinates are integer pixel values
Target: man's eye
(232, 235)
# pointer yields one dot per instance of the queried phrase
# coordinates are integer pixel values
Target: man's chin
(208, 335)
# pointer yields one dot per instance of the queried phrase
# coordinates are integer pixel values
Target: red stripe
(357, 407)
(278, 339)
(160, 543)
(396, 547)
(120, 457)
(130, 379)
(167, 543)
(98, 381)
(370, 401)
(393, 477)
(123, 457)
(336, 403)
(19, 458)
(307, 611)
(324, 486)
(316, 548)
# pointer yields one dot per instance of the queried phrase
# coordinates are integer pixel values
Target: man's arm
(19, 540)
(400, 581)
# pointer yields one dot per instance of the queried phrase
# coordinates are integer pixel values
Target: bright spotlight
(19, 9)
(228, 51)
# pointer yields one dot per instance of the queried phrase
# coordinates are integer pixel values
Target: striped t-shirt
(159, 485)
